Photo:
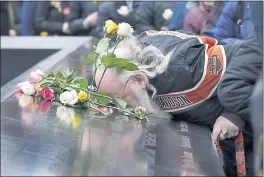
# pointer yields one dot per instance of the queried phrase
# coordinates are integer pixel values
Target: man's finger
(216, 132)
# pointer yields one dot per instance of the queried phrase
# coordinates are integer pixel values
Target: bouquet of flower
(70, 90)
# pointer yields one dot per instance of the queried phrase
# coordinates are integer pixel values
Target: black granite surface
(16, 61)
(36, 140)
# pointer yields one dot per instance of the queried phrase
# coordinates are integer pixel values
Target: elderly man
(190, 77)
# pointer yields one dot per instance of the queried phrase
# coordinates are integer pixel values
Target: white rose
(28, 88)
(124, 29)
(25, 100)
(65, 114)
(167, 14)
(69, 97)
(19, 85)
(123, 10)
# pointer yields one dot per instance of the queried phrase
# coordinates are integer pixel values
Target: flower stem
(119, 109)
(117, 42)
(96, 108)
(101, 79)
(101, 95)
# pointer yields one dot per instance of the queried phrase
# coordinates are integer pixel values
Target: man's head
(135, 86)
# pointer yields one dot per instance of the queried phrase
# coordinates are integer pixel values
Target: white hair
(150, 60)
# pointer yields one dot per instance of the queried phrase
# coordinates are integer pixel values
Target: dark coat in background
(28, 15)
(14, 11)
(257, 96)
(4, 18)
(149, 15)
(108, 11)
(79, 11)
(227, 28)
(51, 19)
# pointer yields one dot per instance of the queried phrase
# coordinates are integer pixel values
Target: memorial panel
(44, 138)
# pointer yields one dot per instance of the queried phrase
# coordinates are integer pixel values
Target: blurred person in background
(234, 23)
(203, 17)
(180, 9)
(28, 15)
(83, 18)
(4, 18)
(153, 15)
(51, 18)
(257, 96)
(118, 11)
(14, 13)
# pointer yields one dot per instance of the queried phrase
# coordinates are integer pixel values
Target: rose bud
(45, 106)
(142, 108)
(48, 94)
(36, 76)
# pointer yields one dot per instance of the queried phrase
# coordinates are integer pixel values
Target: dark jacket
(185, 70)
(79, 11)
(14, 9)
(202, 18)
(257, 96)
(4, 18)
(28, 15)
(50, 19)
(149, 15)
(227, 28)
(108, 11)
(237, 84)
(177, 19)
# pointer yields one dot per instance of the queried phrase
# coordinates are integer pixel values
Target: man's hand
(91, 20)
(224, 128)
(66, 28)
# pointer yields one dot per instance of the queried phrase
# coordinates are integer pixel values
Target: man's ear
(139, 79)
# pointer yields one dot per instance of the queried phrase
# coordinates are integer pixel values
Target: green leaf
(92, 57)
(62, 84)
(119, 70)
(67, 72)
(131, 67)
(101, 98)
(75, 86)
(82, 82)
(112, 55)
(94, 48)
(45, 81)
(111, 62)
(121, 103)
(121, 62)
(108, 62)
(71, 75)
(102, 45)
(59, 75)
